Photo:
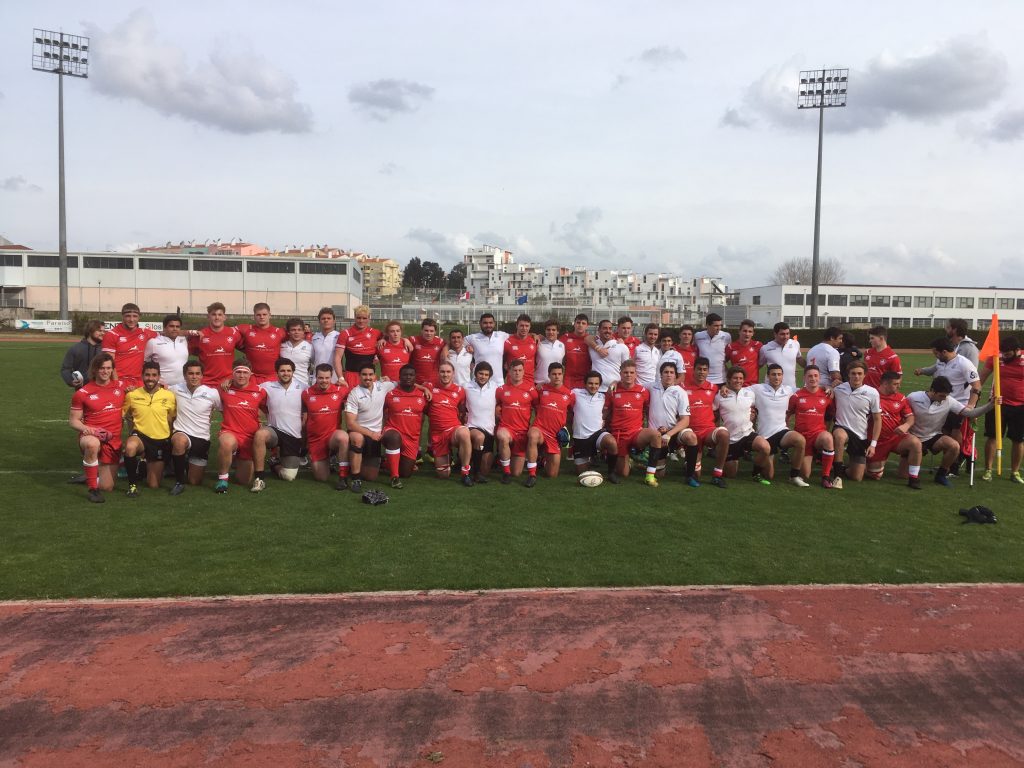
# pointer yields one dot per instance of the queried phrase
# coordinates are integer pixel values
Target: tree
(433, 276)
(798, 270)
(457, 277)
(412, 276)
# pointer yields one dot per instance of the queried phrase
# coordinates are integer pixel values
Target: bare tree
(798, 270)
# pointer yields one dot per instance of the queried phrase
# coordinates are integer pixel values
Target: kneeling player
(242, 401)
(701, 394)
(771, 399)
(96, 416)
(589, 437)
(403, 426)
(858, 424)
(480, 407)
(283, 429)
(322, 405)
(553, 404)
(514, 405)
(449, 437)
(895, 437)
(735, 405)
(190, 436)
(365, 416)
(628, 405)
(151, 411)
(669, 413)
(809, 405)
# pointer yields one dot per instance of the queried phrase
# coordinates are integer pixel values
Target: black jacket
(78, 358)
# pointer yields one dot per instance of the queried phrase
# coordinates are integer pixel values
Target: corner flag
(990, 351)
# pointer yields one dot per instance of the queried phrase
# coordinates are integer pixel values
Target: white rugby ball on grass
(590, 479)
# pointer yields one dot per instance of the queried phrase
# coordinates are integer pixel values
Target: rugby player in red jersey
(449, 436)
(126, 344)
(624, 333)
(521, 345)
(96, 415)
(241, 401)
(322, 406)
(743, 352)
(403, 417)
(895, 437)
(627, 406)
(810, 404)
(393, 351)
(513, 405)
(577, 353)
(262, 344)
(701, 394)
(1011, 379)
(215, 346)
(553, 403)
(428, 350)
(358, 344)
(688, 351)
(880, 357)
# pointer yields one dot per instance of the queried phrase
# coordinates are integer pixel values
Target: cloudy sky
(651, 135)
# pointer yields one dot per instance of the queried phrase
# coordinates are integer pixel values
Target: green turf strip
(306, 537)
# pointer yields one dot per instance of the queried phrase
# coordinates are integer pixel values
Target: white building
(894, 306)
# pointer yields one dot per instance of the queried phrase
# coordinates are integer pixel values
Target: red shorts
(811, 437)
(887, 446)
(519, 444)
(110, 451)
(244, 449)
(625, 441)
(351, 378)
(441, 442)
(319, 450)
(551, 444)
(410, 448)
(703, 433)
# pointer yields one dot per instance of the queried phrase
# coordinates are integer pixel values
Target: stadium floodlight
(61, 55)
(818, 89)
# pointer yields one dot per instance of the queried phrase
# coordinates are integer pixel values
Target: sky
(656, 136)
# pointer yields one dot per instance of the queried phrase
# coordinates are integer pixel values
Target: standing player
(447, 432)
(783, 351)
(460, 357)
(215, 346)
(169, 351)
(150, 410)
(126, 344)
(283, 430)
(488, 346)
(669, 354)
(322, 406)
(1011, 379)
(963, 376)
(624, 333)
(393, 352)
(669, 413)
(771, 399)
(701, 396)
(195, 403)
(956, 331)
(242, 401)
(481, 400)
(403, 410)
(358, 344)
(735, 405)
(589, 437)
(549, 350)
(262, 344)
(553, 404)
(648, 357)
(810, 404)
(880, 357)
(365, 417)
(743, 353)
(513, 406)
(80, 355)
(522, 346)
(687, 351)
(895, 437)
(325, 340)
(858, 424)
(712, 343)
(627, 407)
(428, 350)
(825, 357)
(96, 415)
(608, 355)
(577, 352)
(298, 350)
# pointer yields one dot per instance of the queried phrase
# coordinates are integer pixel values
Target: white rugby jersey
(284, 406)
(960, 371)
(480, 405)
(490, 349)
(673, 356)
(734, 408)
(853, 406)
(323, 351)
(713, 348)
(367, 405)
(772, 406)
(785, 356)
(548, 352)
(826, 357)
(587, 413)
(171, 355)
(930, 417)
(195, 409)
(301, 354)
(648, 360)
(667, 406)
(462, 362)
(609, 366)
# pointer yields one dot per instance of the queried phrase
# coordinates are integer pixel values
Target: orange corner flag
(990, 348)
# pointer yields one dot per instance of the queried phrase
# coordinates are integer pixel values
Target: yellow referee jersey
(151, 414)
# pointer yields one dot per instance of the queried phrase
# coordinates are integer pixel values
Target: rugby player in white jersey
(784, 351)
(325, 340)
(771, 399)
(589, 437)
(735, 405)
(825, 355)
(298, 350)
(669, 413)
(190, 436)
(169, 350)
(711, 343)
(858, 424)
(488, 346)
(460, 357)
(364, 412)
(283, 429)
(481, 399)
(608, 354)
(964, 378)
(648, 357)
(549, 350)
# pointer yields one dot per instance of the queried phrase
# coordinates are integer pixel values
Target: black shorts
(741, 447)
(775, 441)
(154, 450)
(856, 446)
(488, 439)
(953, 422)
(198, 451)
(287, 445)
(372, 449)
(1013, 423)
(673, 442)
(928, 446)
(586, 447)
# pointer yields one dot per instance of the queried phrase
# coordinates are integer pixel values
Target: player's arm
(425, 390)
(68, 370)
(876, 430)
(929, 371)
(682, 423)
(76, 420)
(908, 421)
(975, 392)
(981, 410)
(109, 344)
(339, 370)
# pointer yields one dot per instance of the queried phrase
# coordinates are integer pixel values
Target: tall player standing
(743, 352)
(358, 345)
(169, 350)
(126, 344)
(521, 345)
(428, 350)
(215, 346)
(325, 340)
(261, 342)
(577, 353)
(1011, 378)
(393, 352)
(880, 357)
(298, 350)
(712, 344)
(549, 350)
(96, 415)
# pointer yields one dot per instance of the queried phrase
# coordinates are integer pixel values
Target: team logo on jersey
(122, 338)
(325, 409)
(117, 392)
(108, 407)
(94, 397)
(243, 402)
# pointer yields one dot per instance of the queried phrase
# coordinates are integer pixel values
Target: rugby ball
(590, 479)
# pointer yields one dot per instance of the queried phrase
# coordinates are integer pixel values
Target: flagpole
(999, 416)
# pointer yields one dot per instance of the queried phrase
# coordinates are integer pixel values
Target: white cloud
(235, 92)
(19, 184)
(661, 56)
(733, 118)
(582, 238)
(388, 169)
(520, 246)
(1006, 126)
(383, 99)
(446, 248)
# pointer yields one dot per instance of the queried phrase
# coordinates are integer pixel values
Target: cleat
(506, 478)
(122, 473)
(482, 479)
(693, 482)
(760, 479)
(1016, 478)
(799, 482)
(826, 483)
(95, 496)
(396, 483)
(342, 484)
(943, 480)
(914, 483)
(987, 475)
(467, 481)
(614, 479)
(650, 480)
(531, 480)
(718, 482)
(132, 492)
(77, 480)
(221, 486)
(258, 485)
(178, 489)
(837, 483)
(355, 485)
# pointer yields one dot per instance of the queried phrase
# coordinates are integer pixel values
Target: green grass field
(306, 537)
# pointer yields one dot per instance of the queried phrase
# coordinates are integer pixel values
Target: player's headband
(238, 368)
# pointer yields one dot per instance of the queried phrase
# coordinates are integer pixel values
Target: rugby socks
(131, 466)
(342, 469)
(180, 464)
(478, 456)
(466, 469)
(261, 475)
(838, 469)
(651, 470)
(794, 472)
(531, 468)
(222, 476)
(506, 466)
(92, 474)
(392, 455)
(827, 459)
(718, 472)
(913, 470)
(690, 453)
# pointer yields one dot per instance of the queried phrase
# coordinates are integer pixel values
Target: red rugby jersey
(810, 409)
(101, 405)
(745, 356)
(444, 406)
(516, 405)
(323, 410)
(628, 406)
(360, 346)
(880, 362)
(702, 405)
(242, 409)
(216, 351)
(577, 358)
(426, 356)
(128, 348)
(522, 349)
(392, 357)
(262, 347)
(403, 412)
(895, 409)
(553, 405)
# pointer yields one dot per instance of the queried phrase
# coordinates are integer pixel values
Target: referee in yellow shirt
(150, 409)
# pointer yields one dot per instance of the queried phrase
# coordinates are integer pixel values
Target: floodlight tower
(61, 55)
(820, 88)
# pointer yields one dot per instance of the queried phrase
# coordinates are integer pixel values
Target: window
(168, 264)
(833, 320)
(1005, 325)
(923, 322)
(984, 303)
(1003, 303)
(357, 275)
(922, 301)
(856, 320)
(837, 300)
(274, 267)
(10, 259)
(943, 302)
(1020, 303)
(54, 261)
(965, 302)
(320, 268)
(756, 300)
(793, 298)
(1020, 325)
(216, 265)
(795, 321)
(983, 325)
(859, 300)
(900, 322)
(879, 301)
(109, 262)
(901, 301)
(879, 320)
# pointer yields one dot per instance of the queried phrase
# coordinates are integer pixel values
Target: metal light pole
(820, 88)
(60, 55)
